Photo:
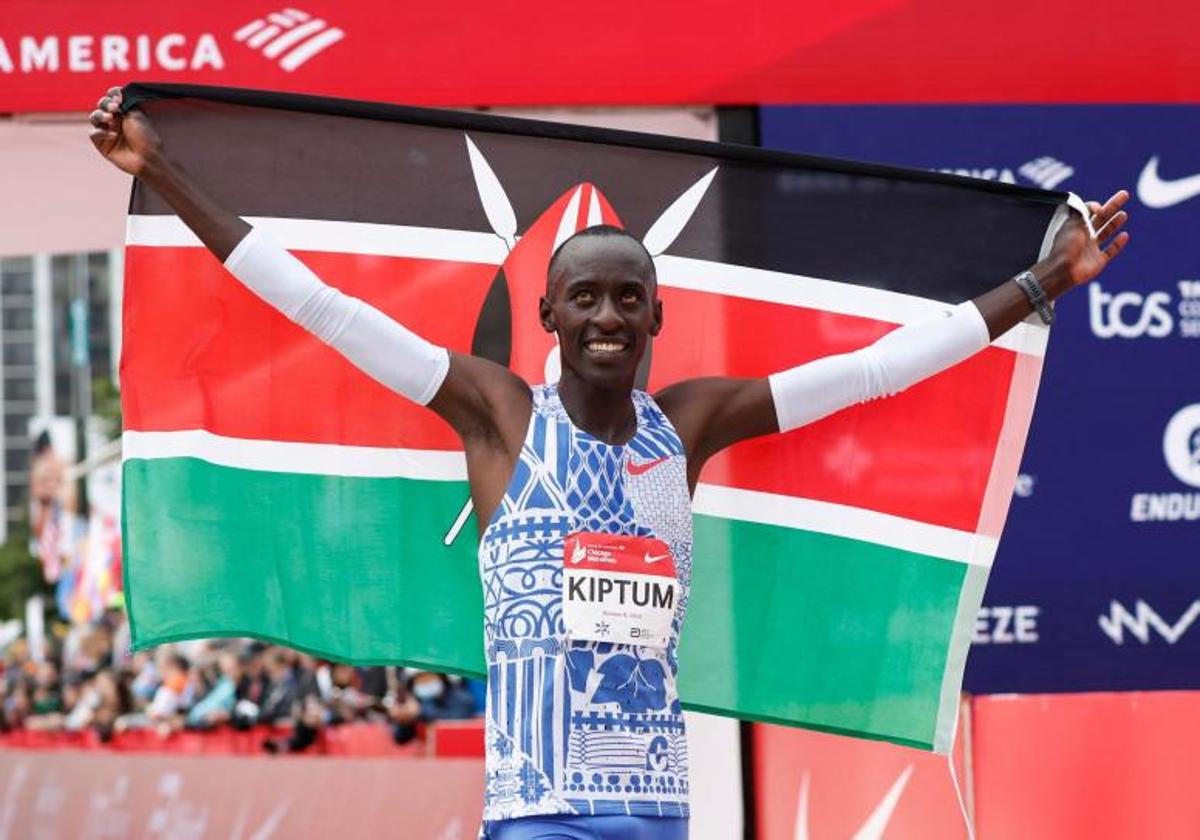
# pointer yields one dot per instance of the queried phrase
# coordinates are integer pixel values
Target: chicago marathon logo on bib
(618, 588)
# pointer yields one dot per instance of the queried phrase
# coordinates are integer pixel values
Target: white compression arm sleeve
(901, 358)
(373, 342)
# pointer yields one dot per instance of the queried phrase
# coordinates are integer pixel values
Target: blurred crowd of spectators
(90, 680)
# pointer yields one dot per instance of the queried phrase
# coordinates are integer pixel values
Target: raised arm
(714, 413)
(472, 394)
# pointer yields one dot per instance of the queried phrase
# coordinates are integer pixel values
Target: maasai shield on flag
(273, 490)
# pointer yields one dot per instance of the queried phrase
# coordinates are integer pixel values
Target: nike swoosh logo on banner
(876, 822)
(638, 469)
(1154, 192)
(650, 558)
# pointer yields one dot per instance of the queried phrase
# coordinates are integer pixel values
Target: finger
(1105, 213)
(1112, 224)
(1116, 246)
(1114, 203)
(101, 119)
(101, 139)
(112, 100)
(103, 103)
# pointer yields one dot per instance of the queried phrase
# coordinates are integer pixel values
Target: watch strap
(1037, 295)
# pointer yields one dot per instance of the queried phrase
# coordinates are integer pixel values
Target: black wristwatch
(1037, 295)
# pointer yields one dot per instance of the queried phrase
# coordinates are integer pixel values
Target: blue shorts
(564, 827)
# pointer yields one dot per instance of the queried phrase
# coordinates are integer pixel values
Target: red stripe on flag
(924, 454)
(207, 353)
(202, 352)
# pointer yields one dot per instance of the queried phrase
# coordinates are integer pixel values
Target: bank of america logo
(289, 37)
(1046, 172)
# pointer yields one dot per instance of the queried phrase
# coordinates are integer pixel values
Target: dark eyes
(585, 297)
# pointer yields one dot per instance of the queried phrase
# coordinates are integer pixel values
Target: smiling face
(602, 301)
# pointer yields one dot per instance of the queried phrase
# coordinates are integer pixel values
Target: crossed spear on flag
(492, 339)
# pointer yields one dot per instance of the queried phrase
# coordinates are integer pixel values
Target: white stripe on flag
(673, 272)
(844, 521)
(338, 238)
(289, 457)
(828, 295)
(438, 465)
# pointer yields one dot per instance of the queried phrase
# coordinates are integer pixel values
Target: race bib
(618, 588)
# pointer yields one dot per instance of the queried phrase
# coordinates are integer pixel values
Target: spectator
(251, 689)
(112, 702)
(146, 678)
(344, 695)
(171, 692)
(216, 706)
(282, 692)
(17, 705)
(163, 711)
(90, 682)
(428, 696)
(404, 712)
(46, 697)
(442, 697)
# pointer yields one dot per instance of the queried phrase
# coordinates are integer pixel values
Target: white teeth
(605, 346)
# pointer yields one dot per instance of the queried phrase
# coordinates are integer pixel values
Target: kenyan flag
(273, 490)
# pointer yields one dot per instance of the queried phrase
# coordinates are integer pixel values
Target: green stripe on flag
(259, 553)
(228, 551)
(867, 630)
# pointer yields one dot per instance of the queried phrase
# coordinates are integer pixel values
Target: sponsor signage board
(818, 785)
(77, 793)
(59, 56)
(1100, 765)
(1097, 581)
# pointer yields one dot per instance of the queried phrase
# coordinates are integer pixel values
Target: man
(582, 488)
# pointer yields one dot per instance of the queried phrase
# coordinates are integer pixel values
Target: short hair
(596, 230)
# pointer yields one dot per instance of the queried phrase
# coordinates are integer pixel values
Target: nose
(607, 317)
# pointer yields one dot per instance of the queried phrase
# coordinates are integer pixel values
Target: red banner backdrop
(67, 794)
(59, 56)
(1104, 766)
(814, 786)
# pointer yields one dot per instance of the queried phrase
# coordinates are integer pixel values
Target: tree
(20, 573)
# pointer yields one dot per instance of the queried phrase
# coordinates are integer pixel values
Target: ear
(546, 314)
(657, 324)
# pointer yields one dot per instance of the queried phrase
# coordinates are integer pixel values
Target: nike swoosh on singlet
(638, 469)
(651, 558)
(1154, 192)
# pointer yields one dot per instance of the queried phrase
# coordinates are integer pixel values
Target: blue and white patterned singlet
(581, 727)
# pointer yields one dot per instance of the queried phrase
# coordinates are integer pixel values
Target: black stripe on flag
(923, 233)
